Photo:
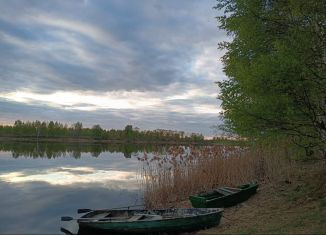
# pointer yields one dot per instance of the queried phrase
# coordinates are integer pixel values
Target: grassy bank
(291, 197)
(295, 205)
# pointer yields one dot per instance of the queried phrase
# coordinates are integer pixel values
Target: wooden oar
(66, 231)
(79, 211)
(68, 218)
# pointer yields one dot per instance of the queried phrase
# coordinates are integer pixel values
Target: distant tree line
(41, 130)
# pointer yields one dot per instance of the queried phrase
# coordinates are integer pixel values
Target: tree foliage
(53, 130)
(276, 65)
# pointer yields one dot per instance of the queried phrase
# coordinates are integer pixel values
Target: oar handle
(66, 231)
(66, 218)
(79, 211)
(83, 210)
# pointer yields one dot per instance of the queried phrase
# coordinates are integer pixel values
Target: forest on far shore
(39, 130)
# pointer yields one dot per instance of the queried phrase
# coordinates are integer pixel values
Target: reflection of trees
(53, 150)
(128, 149)
(96, 150)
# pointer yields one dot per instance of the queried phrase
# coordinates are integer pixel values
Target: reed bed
(181, 171)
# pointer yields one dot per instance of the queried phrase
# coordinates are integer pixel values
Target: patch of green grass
(299, 192)
(309, 219)
(247, 231)
(322, 203)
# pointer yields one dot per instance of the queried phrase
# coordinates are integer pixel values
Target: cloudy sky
(148, 63)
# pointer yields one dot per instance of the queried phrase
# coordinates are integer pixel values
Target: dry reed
(181, 171)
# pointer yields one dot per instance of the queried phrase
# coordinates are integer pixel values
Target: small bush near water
(172, 177)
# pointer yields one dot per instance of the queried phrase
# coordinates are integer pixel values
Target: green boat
(223, 196)
(148, 221)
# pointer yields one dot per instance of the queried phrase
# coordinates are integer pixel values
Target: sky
(148, 63)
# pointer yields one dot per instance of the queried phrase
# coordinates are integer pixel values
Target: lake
(40, 182)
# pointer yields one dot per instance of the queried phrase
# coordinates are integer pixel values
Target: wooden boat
(223, 196)
(148, 221)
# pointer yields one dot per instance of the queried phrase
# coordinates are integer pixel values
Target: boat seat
(154, 217)
(223, 192)
(233, 189)
(136, 217)
(101, 215)
(108, 215)
(145, 216)
(228, 191)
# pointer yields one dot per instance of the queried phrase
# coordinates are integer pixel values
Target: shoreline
(100, 141)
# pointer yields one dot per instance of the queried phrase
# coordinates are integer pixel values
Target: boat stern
(197, 201)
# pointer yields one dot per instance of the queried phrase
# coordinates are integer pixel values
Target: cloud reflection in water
(36, 192)
(75, 175)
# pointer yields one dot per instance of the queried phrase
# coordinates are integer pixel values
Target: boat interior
(141, 215)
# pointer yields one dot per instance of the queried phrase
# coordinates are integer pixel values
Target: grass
(273, 211)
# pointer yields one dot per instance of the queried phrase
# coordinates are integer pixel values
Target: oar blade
(66, 218)
(79, 211)
(66, 231)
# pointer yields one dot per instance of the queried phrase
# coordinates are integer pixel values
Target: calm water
(39, 183)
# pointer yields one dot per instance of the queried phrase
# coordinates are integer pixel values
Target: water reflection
(54, 149)
(74, 175)
(36, 208)
(41, 182)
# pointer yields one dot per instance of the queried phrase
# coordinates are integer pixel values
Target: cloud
(110, 56)
(132, 100)
(155, 118)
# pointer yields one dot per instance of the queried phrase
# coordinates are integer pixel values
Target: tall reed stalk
(182, 171)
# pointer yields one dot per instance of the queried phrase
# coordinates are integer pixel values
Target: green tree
(276, 64)
(51, 129)
(19, 128)
(77, 129)
(129, 133)
(97, 132)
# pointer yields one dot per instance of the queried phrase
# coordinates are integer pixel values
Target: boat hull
(171, 225)
(214, 200)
